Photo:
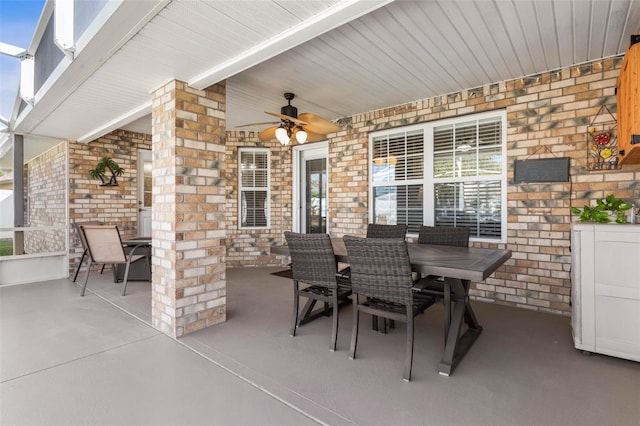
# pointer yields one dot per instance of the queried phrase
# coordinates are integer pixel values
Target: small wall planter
(106, 171)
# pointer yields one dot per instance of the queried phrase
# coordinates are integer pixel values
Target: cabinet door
(617, 293)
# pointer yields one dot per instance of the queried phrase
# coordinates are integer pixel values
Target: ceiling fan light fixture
(301, 135)
(282, 135)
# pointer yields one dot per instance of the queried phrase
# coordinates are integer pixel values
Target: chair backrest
(380, 268)
(444, 235)
(375, 230)
(312, 259)
(104, 243)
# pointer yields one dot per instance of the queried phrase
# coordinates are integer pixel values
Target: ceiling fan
(306, 127)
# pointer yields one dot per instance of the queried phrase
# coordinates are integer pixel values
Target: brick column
(188, 230)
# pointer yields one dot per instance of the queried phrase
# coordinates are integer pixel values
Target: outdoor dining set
(391, 280)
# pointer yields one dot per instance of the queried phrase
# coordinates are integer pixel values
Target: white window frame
(429, 182)
(241, 188)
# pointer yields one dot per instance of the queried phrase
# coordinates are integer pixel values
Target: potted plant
(100, 172)
(604, 210)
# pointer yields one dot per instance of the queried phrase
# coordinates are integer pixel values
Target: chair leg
(354, 328)
(126, 277)
(336, 317)
(75, 277)
(296, 302)
(408, 362)
(86, 277)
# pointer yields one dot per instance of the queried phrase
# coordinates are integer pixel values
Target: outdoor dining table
(139, 270)
(459, 266)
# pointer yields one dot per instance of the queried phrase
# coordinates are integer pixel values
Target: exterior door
(144, 192)
(311, 188)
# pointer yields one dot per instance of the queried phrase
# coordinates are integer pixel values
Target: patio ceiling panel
(397, 53)
(410, 50)
(473, 35)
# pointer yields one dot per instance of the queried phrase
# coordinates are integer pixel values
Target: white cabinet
(605, 294)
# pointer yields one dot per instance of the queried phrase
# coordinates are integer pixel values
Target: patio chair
(104, 246)
(313, 262)
(442, 236)
(433, 285)
(85, 249)
(382, 284)
(376, 230)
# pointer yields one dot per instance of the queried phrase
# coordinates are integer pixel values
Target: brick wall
(88, 201)
(46, 188)
(548, 115)
(189, 282)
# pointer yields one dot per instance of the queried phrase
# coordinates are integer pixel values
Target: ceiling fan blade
(317, 124)
(286, 117)
(314, 137)
(268, 134)
(258, 124)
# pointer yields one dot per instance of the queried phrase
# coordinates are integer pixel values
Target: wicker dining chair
(433, 285)
(313, 263)
(382, 284)
(457, 236)
(444, 235)
(377, 230)
(104, 246)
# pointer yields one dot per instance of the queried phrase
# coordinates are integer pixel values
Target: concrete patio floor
(66, 359)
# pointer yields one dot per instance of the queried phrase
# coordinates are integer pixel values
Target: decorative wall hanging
(100, 172)
(541, 170)
(602, 141)
(554, 169)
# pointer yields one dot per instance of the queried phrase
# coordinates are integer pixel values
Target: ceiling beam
(333, 17)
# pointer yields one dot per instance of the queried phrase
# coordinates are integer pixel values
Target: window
(253, 188)
(397, 173)
(451, 172)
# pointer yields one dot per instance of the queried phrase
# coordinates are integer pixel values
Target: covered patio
(207, 341)
(97, 360)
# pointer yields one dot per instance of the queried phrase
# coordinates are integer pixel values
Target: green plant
(6, 247)
(101, 168)
(603, 210)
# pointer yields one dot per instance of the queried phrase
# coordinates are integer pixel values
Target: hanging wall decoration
(602, 141)
(106, 171)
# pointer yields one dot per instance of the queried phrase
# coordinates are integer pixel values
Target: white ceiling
(340, 57)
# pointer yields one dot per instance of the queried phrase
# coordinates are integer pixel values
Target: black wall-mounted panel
(542, 170)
